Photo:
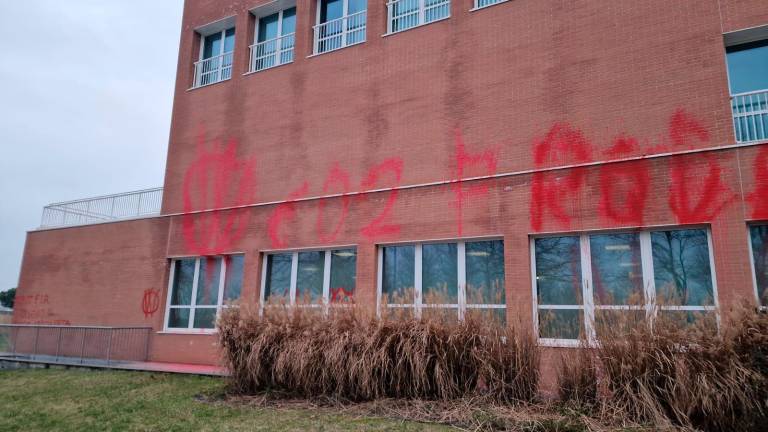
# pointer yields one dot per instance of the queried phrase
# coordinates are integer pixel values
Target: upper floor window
(483, 3)
(445, 279)
(584, 282)
(216, 55)
(748, 80)
(199, 288)
(275, 40)
(340, 23)
(309, 278)
(405, 14)
(758, 236)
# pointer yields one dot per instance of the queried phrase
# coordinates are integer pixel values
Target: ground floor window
(758, 238)
(584, 282)
(451, 279)
(199, 288)
(309, 278)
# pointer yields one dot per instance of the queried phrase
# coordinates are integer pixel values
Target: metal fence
(341, 32)
(127, 205)
(750, 116)
(213, 70)
(73, 344)
(405, 14)
(272, 52)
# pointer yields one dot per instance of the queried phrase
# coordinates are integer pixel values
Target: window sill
(415, 27)
(477, 8)
(335, 49)
(208, 85)
(189, 332)
(563, 343)
(266, 69)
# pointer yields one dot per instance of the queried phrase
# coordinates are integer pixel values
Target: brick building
(548, 162)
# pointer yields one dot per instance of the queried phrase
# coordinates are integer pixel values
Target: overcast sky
(86, 89)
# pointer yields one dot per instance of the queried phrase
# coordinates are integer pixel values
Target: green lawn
(71, 400)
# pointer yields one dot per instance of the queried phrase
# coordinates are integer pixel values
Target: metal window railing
(107, 208)
(750, 116)
(74, 344)
(405, 14)
(213, 70)
(484, 3)
(272, 52)
(341, 32)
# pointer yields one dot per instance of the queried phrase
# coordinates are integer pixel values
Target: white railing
(750, 116)
(405, 14)
(340, 33)
(272, 52)
(108, 208)
(483, 3)
(213, 70)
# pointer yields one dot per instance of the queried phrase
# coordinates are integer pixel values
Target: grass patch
(71, 400)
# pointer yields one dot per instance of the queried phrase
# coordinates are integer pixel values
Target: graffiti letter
(377, 228)
(337, 175)
(284, 211)
(623, 186)
(487, 159)
(759, 198)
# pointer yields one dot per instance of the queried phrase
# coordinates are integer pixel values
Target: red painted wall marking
(759, 197)
(150, 302)
(340, 177)
(282, 213)
(487, 160)
(378, 228)
(341, 294)
(623, 186)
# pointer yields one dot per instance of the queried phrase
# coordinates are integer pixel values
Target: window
(310, 278)
(748, 79)
(483, 3)
(215, 63)
(450, 279)
(406, 14)
(758, 242)
(275, 40)
(200, 288)
(583, 282)
(340, 23)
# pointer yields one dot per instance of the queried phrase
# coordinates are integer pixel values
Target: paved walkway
(182, 368)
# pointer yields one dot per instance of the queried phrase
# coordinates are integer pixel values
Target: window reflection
(398, 274)
(278, 281)
(309, 277)
(439, 273)
(558, 271)
(759, 237)
(617, 272)
(343, 275)
(681, 267)
(485, 272)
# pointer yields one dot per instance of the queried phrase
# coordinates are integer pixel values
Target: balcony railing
(750, 116)
(213, 70)
(405, 14)
(73, 344)
(272, 52)
(340, 33)
(108, 208)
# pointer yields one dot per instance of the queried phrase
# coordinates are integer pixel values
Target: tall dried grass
(353, 356)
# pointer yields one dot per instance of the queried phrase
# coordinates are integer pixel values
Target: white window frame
(418, 306)
(588, 301)
(419, 22)
(752, 264)
(192, 307)
(200, 59)
(279, 37)
(344, 17)
(477, 2)
(326, 300)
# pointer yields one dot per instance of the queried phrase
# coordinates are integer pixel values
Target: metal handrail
(213, 69)
(344, 31)
(129, 205)
(275, 52)
(750, 115)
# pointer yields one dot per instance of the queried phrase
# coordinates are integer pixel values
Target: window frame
(751, 250)
(461, 271)
(192, 307)
(420, 22)
(263, 12)
(476, 7)
(344, 14)
(326, 303)
(588, 297)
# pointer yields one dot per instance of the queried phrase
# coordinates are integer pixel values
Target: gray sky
(86, 89)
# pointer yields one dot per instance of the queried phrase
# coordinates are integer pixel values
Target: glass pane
(747, 66)
(441, 314)
(560, 323)
(343, 275)
(398, 274)
(558, 271)
(183, 278)
(208, 282)
(759, 237)
(179, 318)
(205, 318)
(701, 321)
(233, 285)
(681, 267)
(229, 40)
(268, 27)
(617, 271)
(331, 10)
(485, 272)
(491, 316)
(356, 6)
(289, 21)
(439, 273)
(212, 45)
(611, 323)
(278, 281)
(309, 279)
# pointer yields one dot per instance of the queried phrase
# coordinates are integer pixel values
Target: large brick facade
(503, 93)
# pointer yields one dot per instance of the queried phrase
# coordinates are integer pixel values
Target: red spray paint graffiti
(623, 186)
(340, 294)
(282, 213)
(208, 180)
(487, 159)
(341, 177)
(759, 197)
(549, 191)
(689, 203)
(378, 227)
(150, 302)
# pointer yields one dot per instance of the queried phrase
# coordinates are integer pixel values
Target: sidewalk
(9, 361)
